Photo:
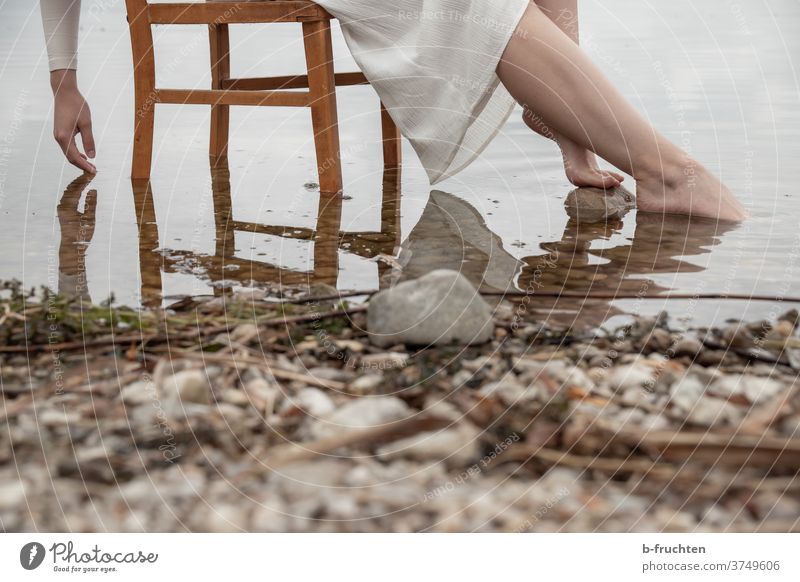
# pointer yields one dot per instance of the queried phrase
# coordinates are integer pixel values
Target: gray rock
(363, 412)
(588, 205)
(188, 386)
(439, 308)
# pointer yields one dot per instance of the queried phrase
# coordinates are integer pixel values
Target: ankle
(670, 173)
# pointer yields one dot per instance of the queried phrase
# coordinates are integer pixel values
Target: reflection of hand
(71, 116)
(77, 228)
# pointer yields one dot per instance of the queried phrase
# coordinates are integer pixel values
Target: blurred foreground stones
(307, 425)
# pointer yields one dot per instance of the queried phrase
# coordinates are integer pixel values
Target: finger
(75, 158)
(90, 207)
(87, 138)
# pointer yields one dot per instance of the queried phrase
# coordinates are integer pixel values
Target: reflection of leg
(223, 220)
(150, 262)
(390, 217)
(219, 44)
(543, 68)
(326, 239)
(580, 164)
(223, 209)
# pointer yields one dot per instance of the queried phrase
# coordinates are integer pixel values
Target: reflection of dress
(451, 234)
(431, 61)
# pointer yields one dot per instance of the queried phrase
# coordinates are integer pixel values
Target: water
(718, 78)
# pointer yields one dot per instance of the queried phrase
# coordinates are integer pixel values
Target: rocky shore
(277, 412)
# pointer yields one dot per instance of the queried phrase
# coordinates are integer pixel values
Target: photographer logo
(31, 555)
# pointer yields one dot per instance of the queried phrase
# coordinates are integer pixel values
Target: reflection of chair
(320, 82)
(224, 268)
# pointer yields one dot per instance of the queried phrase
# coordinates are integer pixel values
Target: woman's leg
(542, 67)
(580, 164)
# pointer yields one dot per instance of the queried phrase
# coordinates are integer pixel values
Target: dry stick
(556, 457)
(293, 452)
(177, 336)
(233, 360)
(568, 295)
(761, 419)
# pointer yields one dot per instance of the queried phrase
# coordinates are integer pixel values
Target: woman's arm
(60, 19)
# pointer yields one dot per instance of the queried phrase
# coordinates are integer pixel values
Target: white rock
(188, 386)
(138, 393)
(631, 376)
(689, 395)
(363, 412)
(508, 390)
(755, 388)
(439, 308)
(12, 495)
(366, 383)
(312, 401)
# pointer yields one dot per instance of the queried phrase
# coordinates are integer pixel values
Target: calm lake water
(718, 78)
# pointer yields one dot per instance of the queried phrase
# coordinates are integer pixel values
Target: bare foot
(688, 189)
(580, 165)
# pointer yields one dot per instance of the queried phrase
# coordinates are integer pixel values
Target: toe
(608, 181)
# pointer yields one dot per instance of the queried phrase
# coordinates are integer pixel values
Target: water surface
(717, 78)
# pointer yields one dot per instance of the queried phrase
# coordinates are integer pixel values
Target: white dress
(431, 61)
(433, 64)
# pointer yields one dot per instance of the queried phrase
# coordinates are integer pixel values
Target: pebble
(188, 386)
(588, 205)
(756, 389)
(366, 411)
(366, 384)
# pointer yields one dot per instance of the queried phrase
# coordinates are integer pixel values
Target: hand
(72, 117)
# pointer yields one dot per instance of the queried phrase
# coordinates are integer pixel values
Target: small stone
(687, 346)
(12, 495)
(755, 388)
(311, 401)
(363, 412)
(689, 395)
(631, 376)
(188, 386)
(781, 330)
(439, 308)
(235, 397)
(366, 384)
(587, 205)
(138, 393)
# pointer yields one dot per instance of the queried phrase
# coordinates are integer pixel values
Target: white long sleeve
(60, 19)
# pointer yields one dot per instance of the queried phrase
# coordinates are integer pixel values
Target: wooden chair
(320, 80)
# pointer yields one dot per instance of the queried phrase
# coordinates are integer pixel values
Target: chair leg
(392, 144)
(322, 91)
(144, 78)
(219, 43)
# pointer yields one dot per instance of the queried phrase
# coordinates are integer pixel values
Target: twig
(234, 360)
